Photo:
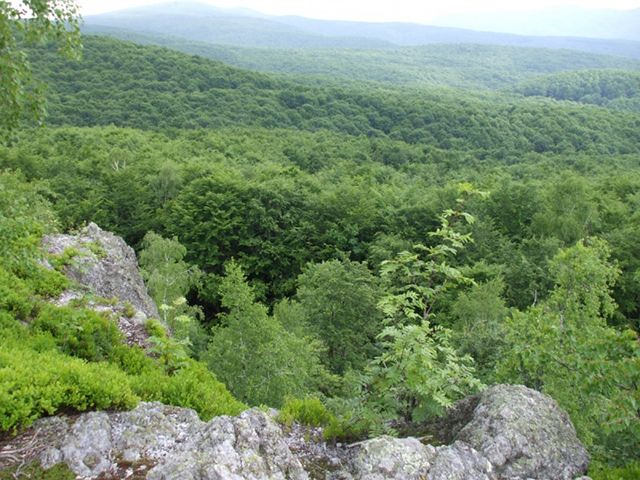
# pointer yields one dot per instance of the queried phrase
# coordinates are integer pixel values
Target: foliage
(418, 279)
(630, 471)
(34, 21)
(55, 359)
(339, 300)
(128, 85)
(565, 348)
(169, 280)
(79, 332)
(258, 360)
(477, 327)
(616, 89)
(419, 374)
(306, 411)
(36, 383)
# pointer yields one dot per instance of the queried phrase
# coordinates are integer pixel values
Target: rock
(522, 432)
(390, 458)
(173, 443)
(504, 433)
(460, 462)
(106, 266)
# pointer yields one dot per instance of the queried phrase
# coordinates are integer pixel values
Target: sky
(418, 11)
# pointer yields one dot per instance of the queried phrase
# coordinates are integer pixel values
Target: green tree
(32, 21)
(419, 373)
(565, 348)
(339, 299)
(251, 352)
(478, 316)
(169, 278)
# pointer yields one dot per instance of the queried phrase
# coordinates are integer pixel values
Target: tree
(169, 278)
(251, 352)
(31, 21)
(339, 298)
(419, 373)
(565, 348)
(478, 318)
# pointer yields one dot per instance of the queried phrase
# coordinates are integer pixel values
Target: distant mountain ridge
(566, 21)
(246, 28)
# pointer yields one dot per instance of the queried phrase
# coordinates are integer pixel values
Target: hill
(565, 20)
(148, 87)
(202, 22)
(463, 65)
(619, 90)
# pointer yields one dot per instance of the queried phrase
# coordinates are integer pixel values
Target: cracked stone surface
(505, 433)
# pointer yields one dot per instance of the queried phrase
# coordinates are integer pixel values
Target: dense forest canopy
(372, 249)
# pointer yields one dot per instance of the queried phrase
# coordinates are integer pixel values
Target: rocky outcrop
(159, 442)
(523, 433)
(505, 433)
(106, 266)
(106, 278)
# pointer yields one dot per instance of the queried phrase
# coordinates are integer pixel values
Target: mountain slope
(464, 66)
(148, 87)
(240, 28)
(619, 90)
(566, 20)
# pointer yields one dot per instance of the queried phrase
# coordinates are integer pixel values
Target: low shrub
(307, 411)
(33, 384)
(80, 332)
(630, 471)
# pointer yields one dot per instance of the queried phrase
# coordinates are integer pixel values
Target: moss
(96, 248)
(64, 259)
(128, 310)
(35, 471)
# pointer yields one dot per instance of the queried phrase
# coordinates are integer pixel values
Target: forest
(360, 253)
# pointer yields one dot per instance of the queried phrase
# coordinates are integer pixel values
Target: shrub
(15, 296)
(80, 332)
(33, 384)
(193, 386)
(307, 411)
(630, 471)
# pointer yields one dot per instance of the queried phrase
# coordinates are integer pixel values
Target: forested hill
(454, 65)
(619, 90)
(202, 22)
(147, 87)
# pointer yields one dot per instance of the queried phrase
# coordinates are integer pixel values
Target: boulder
(106, 266)
(159, 442)
(522, 432)
(505, 433)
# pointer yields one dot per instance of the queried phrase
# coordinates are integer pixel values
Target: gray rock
(111, 273)
(460, 462)
(505, 433)
(522, 432)
(173, 443)
(390, 458)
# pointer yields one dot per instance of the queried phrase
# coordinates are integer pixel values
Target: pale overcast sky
(420, 11)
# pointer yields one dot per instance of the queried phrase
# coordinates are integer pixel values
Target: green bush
(33, 384)
(603, 472)
(47, 283)
(307, 411)
(80, 332)
(15, 296)
(193, 386)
